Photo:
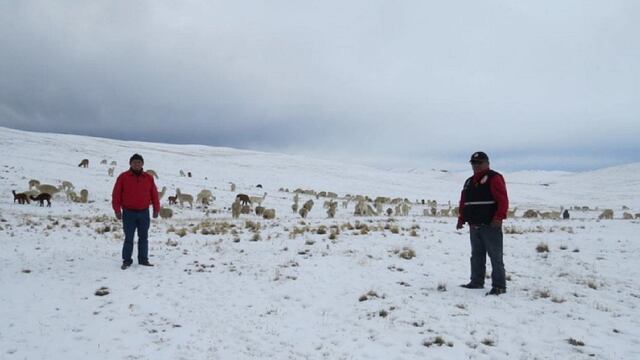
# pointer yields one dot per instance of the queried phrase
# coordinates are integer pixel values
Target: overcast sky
(536, 84)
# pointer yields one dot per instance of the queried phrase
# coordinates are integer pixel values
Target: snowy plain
(314, 288)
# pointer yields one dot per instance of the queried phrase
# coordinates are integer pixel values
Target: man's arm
(499, 192)
(116, 198)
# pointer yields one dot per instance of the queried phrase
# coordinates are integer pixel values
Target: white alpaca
(184, 198)
(233, 187)
(49, 189)
(110, 171)
(269, 214)
(257, 199)
(152, 173)
(165, 213)
(182, 173)
(204, 196)
(161, 193)
(114, 163)
(235, 209)
(67, 185)
(72, 196)
(33, 183)
(84, 196)
(512, 213)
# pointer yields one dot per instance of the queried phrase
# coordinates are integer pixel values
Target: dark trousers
(486, 239)
(132, 220)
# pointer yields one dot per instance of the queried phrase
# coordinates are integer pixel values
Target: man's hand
(459, 225)
(496, 223)
(119, 215)
(155, 214)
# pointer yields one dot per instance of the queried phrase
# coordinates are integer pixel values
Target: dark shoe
(472, 286)
(496, 291)
(145, 263)
(125, 265)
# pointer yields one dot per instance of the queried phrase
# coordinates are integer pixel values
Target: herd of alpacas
(243, 204)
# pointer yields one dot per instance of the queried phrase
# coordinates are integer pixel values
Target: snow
(295, 293)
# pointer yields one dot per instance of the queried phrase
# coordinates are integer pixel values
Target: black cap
(479, 156)
(136, 157)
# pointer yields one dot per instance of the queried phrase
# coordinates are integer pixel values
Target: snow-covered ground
(306, 289)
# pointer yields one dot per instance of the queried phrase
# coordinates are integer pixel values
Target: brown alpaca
(42, 198)
(172, 200)
(84, 163)
(243, 198)
(22, 198)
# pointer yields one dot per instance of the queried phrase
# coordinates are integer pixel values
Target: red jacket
(135, 192)
(498, 191)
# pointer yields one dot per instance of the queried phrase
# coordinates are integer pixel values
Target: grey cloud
(372, 79)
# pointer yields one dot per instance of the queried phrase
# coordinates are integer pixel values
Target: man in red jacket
(132, 194)
(483, 205)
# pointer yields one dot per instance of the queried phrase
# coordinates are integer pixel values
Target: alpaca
(606, 214)
(294, 207)
(627, 216)
(183, 198)
(565, 214)
(406, 208)
(269, 214)
(303, 212)
(308, 205)
(161, 193)
(42, 198)
(114, 163)
(182, 173)
(512, 213)
(243, 198)
(332, 195)
(110, 171)
(49, 189)
(204, 196)
(21, 197)
(33, 183)
(233, 187)
(84, 196)
(67, 185)
(331, 210)
(345, 204)
(152, 173)
(257, 199)
(259, 210)
(103, 162)
(235, 209)
(425, 212)
(172, 200)
(390, 211)
(84, 163)
(165, 213)
(636, 216)
(530, 214)
(434, 211)
(189, 174)
(71, 195)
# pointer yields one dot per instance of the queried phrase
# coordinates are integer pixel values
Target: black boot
(145, 263)
(496, 291)
(125, 264)
(472, 286)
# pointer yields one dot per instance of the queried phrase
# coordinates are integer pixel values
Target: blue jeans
(486, 239)
(132, 220)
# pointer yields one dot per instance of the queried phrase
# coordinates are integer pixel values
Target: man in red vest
(132, 194)
(483, 205)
